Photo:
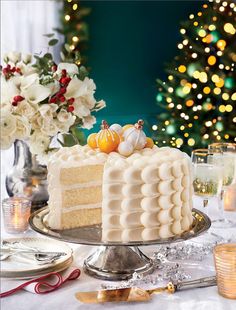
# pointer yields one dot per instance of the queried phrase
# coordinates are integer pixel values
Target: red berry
(8, 67)
(18, 70)
(18, 98)
(65, 80)
(63, 72)
(62, 91)
(62, 98)
(71, 100)
(5, 71)
(13, 69)
(54, 68)
(14, 103)
(70, 108)
(53, 100)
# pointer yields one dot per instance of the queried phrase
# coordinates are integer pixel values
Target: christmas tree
(198, 98)
(74, 30)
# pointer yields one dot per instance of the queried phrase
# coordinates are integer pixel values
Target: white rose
(38, 142)
(26, 58)
(49, 126)
(8, 123)
(47, 110)
(6, 141)
(23, 127)
(100, 105)
(25, 109)
(71, 69)
(63, 115)
(36, 121)
(36, 93)
(14, 57)
(88, 122)
(65, 121)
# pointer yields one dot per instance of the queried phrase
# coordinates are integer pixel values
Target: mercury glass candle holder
(16, 212)
(225, 264)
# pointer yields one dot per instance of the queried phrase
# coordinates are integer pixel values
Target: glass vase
(27, 177)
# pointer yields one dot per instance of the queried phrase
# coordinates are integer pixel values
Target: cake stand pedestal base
(116, 263)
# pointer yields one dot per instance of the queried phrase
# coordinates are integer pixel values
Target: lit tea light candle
(16, 212)
(230, 198)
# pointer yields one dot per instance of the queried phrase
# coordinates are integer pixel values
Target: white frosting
(146, 196)
(153, 186)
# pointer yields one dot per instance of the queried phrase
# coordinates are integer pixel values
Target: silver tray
(114, 260)
(91, 235)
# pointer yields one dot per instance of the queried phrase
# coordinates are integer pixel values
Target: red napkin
(44, 284)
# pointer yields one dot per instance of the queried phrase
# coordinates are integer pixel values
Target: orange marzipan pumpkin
(92, 140)
(107, 139)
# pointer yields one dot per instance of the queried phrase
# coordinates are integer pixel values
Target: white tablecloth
(64, 298)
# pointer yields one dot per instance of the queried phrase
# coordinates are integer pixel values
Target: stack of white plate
(24, 266)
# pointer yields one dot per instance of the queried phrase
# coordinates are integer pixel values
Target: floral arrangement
(40, 100)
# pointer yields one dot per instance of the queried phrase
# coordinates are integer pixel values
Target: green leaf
(53, 42)
(48, 56)
(59, 30)
(69, 140)
(79, 135)
(49, 35)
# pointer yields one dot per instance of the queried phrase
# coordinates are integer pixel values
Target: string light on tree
(199, 93)
(75, 31)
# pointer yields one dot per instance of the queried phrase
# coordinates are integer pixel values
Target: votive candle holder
(225, 264)
(16, 212)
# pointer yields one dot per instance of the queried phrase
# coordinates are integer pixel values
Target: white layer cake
(145, 196)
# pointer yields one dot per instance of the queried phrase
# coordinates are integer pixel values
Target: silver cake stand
(114, 260)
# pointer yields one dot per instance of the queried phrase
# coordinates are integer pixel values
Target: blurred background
(128, 44)
(129, 48)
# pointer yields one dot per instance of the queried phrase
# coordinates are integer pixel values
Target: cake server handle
(198, 283)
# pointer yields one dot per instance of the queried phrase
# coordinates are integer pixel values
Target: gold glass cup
(225, 265)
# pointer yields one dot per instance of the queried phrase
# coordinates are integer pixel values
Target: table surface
(64, 298)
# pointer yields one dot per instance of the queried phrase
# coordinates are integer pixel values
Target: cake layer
(80, 218)
(81, 196)
(81, 174)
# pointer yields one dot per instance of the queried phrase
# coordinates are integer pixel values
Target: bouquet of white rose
(41, 100)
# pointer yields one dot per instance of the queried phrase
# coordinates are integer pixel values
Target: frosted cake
(143, 196)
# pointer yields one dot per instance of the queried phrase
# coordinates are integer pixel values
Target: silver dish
(114, 260)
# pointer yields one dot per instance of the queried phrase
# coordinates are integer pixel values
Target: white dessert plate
(24, 266)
